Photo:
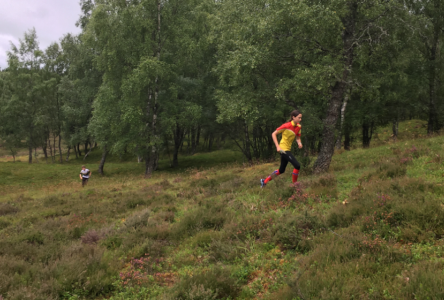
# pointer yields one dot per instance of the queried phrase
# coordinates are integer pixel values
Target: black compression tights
(288, 158)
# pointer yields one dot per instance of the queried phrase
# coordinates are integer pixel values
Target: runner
(289, 131)
(84, 175)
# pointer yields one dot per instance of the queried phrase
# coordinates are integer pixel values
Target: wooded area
(145, 76)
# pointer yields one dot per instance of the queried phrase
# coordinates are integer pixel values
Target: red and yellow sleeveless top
(289, 132)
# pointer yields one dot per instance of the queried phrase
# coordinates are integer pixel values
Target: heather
(370, 228)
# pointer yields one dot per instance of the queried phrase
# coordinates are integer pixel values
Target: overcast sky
(50, 18)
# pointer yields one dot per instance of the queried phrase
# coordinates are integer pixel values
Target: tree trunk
(432, 121)
(188, 142)
(395, 124)
(152, 159)
(86, 147)
(257, 142)
(347, 138)
(87, 153)
(75, 151)
(198, 135)
(247, 143)
(30, 154)
(50, 149)
(193, 140)
(78, 150)
(60, 149)
(67, 154)
(365, 135)
(210, 142)
(55, 151)
(337, 94)
(45, 152)
(178, 134)
(270, 144)
(339, 140)
(102, 161)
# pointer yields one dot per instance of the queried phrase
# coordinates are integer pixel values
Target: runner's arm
(298, 140)
(274, 136)
(80, 175)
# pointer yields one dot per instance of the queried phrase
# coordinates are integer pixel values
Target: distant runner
(289, 131)
(84, 175)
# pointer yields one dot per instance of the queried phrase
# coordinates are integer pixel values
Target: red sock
(295, 175)
(270, 178)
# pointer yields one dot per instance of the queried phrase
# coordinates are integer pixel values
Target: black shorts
(84, 179)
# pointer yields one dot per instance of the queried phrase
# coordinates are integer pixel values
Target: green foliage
(215, 283)
(228, 238)
(208, 216)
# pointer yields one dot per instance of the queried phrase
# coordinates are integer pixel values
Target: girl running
(290, 131)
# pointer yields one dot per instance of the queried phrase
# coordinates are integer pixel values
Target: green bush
(296, 231)
(216, 283)
(34, 237)
(53, 200)
(6, 209)
(138, 219)
(4, 223)
(209, 216)
(112, 242)
(225, 250)
(249, 226)
(135, 202)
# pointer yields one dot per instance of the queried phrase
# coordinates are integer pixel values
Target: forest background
(144, 76)
(146, 81)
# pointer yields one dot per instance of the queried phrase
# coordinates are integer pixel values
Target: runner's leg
(281, 170)
(296, 165)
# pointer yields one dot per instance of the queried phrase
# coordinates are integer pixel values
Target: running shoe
(263, 184)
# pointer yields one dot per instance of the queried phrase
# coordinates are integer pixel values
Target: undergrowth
(371, 228)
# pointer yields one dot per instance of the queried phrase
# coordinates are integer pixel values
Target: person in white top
(85, 174)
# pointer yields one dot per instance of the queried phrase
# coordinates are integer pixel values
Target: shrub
(112, 242)
(4, 223)
(209, 216)
(327, 180)
(217, 283)
(138, 219)
(346, 265)
(85, 268)
(135, 202)
(199, 292)
(155, 248)
(34, 237)
(295, 232)
(231, 185)
(91, 237)
(253, 226)
(204, 238)
(77, 232)
(385, 170)
(6, 209)
(423, 281)
(225, 250)
(53, 201)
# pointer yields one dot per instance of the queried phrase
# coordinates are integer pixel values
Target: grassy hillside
(207, 230)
